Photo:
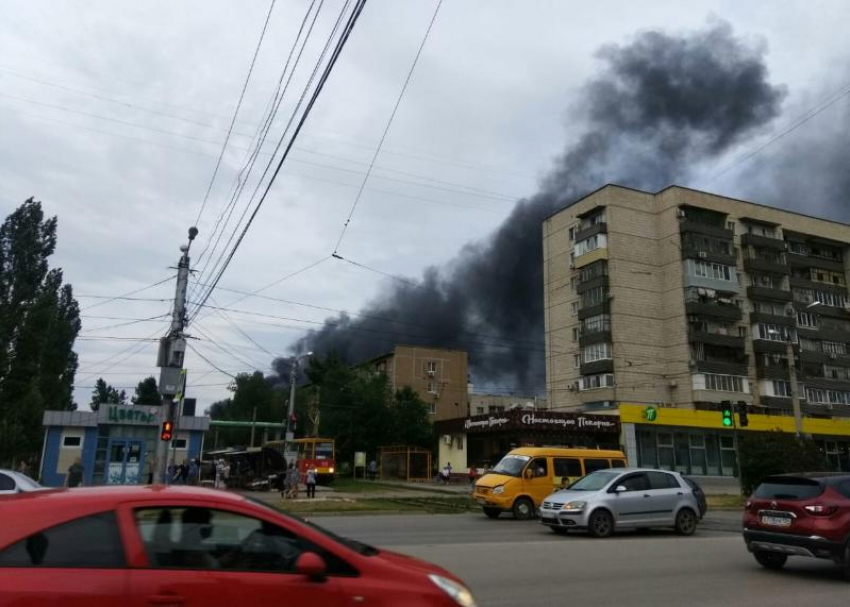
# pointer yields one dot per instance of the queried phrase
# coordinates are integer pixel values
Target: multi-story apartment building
(438, 375)
(687, 299)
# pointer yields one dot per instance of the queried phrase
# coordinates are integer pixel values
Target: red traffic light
(167, 428)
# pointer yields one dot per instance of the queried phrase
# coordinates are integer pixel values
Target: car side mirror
(311, 565)
(620, 489)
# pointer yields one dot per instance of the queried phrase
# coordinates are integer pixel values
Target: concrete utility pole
(289, 434)
(172, 350)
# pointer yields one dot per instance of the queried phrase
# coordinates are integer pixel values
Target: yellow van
(525, 476)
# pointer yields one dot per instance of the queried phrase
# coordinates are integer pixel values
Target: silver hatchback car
(625, 498)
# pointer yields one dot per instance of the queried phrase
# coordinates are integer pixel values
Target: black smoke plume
(661, 105)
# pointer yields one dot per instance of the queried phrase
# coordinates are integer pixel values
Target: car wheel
(492, 512)
(559, 530)
(601, 524)
(523, 509)
(686, 522)
(770, 560)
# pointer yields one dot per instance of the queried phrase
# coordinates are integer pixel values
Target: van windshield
(511, 465)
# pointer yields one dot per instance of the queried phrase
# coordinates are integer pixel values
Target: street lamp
(293, 374)
(792, 376)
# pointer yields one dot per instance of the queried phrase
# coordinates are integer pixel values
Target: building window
(742, 331)
(597, 241)
(713, 271)
(575, 333)
(572, 233)
(574, 308)
(730, 225)
(573, 284)
(773, 309)
(596, 352)
(776, 332)
(826, 298)
(834, 347)
(479, 410)
(432, 386)
(594, 297)
(805, 319)
(432, 367)
(576, 361)
(760, 230)
(72, 441)
(594, 270)
(782, 388)
(708, 244)
(827, 397)
(825, 276)
(592, 220)
(179, 443)
(766, 281)
(432, 408)
(593, 382)
(725, 383)
(596, 324)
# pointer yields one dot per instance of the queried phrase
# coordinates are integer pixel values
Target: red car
(799, 515)
(186, 546)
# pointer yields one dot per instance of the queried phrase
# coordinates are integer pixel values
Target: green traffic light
(727, 421)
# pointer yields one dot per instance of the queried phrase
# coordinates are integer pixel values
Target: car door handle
(647, 495)
(167, 600)
(679, 493)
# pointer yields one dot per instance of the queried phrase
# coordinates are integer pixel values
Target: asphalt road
(521, 563)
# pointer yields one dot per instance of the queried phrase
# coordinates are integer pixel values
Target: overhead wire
(346, 32)
(387, 128)
(125, 296)
(236, 111)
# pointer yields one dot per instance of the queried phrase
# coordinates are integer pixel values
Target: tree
(766, 453)
(250, 391)
(39, 322)
(147, 392)
(104, 394)
(411, 420)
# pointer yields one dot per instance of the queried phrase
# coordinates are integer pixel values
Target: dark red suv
(799, 515)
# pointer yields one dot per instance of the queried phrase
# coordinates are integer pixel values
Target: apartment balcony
(715, 339)
(769, 294)
(827, 287)
(596, 367)
(754, 264)
(823, 310)
(688, 225)
(596, 281)
(603, 308)
(597, 337)
(713, 310)
(809, 261)
(768, 346)
(826, 383)
(597, 228)
(824, 333)
(693, 253)
(785, 321)
(824, 358)
(777, 244)
(722, 367)
(779, 372)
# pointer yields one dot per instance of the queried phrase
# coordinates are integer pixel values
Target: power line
(387, 128)
(125, 296)
(319, 86)
(236, 111)
(208, 361)
(129, 322)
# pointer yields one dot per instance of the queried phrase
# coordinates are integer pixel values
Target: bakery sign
(542, 420)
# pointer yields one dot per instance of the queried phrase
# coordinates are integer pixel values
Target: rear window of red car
(843, 488)
(788, 489)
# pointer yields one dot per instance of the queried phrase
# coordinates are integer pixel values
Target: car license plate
(547, 519)
(776, 521)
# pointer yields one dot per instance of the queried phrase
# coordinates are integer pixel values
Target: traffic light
(167, 427)
(726, 411)
(742, 414)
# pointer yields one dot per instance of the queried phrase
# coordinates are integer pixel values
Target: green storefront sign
(651, 414)
(116, 414)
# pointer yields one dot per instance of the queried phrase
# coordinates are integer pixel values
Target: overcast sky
(113, 115)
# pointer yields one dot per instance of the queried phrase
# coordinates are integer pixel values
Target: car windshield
(511, 465)
(359, 547)
(594, 481)
(324, 450)
(26, 483)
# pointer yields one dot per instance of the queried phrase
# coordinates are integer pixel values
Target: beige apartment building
(438, 375)
(687, 299)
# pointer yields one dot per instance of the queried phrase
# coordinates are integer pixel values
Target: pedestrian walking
(294, 479)
(447, 473)
(473, 474)
(74, 478)
(373, 470)
(219, 474)
(310, 481)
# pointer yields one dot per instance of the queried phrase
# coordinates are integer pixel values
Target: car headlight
(499, 490)
(460, 593)
(331, 470)
(574, 506)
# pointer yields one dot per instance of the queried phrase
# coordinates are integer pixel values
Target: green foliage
(39, 321)
(250, 390)
(147, 392)
(766, 453)
(104, 394)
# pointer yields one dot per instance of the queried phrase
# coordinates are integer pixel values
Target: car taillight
(820, 510)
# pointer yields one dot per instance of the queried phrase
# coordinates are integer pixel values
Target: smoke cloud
(661, 105)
